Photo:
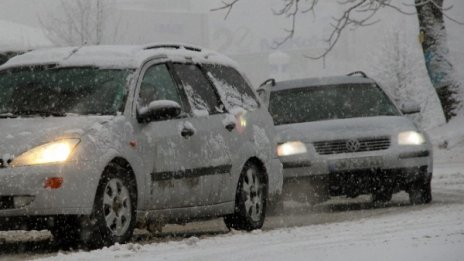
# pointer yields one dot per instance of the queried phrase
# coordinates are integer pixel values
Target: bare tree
(357, 13)
(436, 53)
(398, 66)
(84, 22)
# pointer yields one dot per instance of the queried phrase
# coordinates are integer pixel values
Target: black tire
(381, 196)
(250, 200)
(113, 217)
(420, 193)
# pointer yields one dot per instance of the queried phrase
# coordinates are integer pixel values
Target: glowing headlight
(291, 148)
(411, 138)
(52, 152)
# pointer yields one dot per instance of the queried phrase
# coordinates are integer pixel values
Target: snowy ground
(424, 234)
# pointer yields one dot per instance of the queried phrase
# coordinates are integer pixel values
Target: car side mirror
(410, 107)
(264, 94)
(159, 110)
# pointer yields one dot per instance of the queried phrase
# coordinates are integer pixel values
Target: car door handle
(230, 126)
(187, 132)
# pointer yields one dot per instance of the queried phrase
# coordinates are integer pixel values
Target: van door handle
(230, 126)
(187, 132)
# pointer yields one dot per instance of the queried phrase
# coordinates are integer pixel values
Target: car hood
(345, 128)
(21, 134)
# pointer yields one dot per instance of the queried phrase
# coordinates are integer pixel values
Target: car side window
(233, 88)
(200, 93)
(157, 84)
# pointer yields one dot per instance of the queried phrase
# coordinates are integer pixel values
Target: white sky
(251, 29)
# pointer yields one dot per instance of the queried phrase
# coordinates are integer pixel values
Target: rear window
(234, 90)
(329, 102)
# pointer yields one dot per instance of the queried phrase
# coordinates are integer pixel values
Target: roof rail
(363, 74)
(272, 81)
(172, 46)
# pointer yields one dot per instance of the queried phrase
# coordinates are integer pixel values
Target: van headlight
(291, 148)
(411, 138)
(53, 152)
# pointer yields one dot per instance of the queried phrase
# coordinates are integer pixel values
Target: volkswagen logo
(353, 145)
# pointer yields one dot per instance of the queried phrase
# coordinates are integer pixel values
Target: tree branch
(226, 6)
(365, 10)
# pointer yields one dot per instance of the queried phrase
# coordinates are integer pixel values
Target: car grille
(351, 145)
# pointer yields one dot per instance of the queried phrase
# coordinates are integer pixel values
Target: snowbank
(448, 140)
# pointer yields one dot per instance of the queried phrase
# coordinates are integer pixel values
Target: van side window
(157, 84)
(233, 88)
(200, 93)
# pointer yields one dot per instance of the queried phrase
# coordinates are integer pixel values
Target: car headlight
(53, 152)
(411, 138)
(291, 148)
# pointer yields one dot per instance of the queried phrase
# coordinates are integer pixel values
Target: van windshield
(329, 102)
(48, 91)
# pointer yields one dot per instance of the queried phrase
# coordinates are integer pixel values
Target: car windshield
(48, 91)
(328, 103)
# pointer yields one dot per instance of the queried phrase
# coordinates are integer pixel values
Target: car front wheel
(113, 217)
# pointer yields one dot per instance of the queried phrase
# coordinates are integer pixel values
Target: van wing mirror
(159, 110)
(410, 107)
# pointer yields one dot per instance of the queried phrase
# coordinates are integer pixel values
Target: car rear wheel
(250, 202)
(420, 193)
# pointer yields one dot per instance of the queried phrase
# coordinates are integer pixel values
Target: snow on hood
(344, 128)
(21, 134)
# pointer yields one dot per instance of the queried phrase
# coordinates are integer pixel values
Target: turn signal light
(53, 183)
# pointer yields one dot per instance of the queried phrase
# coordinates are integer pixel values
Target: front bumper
(74, 197)
(354, 183)
(305, 165)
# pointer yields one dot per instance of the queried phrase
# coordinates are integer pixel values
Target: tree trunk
(436, 54)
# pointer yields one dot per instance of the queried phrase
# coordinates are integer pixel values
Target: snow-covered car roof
(116, 57)
(323, 81)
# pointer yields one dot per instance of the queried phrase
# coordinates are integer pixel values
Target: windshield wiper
(42, 113)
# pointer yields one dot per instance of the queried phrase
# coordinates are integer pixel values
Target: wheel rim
(253, 195)
(117, 207)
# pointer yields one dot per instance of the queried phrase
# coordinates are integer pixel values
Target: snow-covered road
(432, 233)
(340, 229)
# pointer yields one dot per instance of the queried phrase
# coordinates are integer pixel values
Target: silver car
(96, 140)
(344, 136)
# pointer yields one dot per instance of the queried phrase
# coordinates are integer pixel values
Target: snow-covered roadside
(428, 233)
(448, 140)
